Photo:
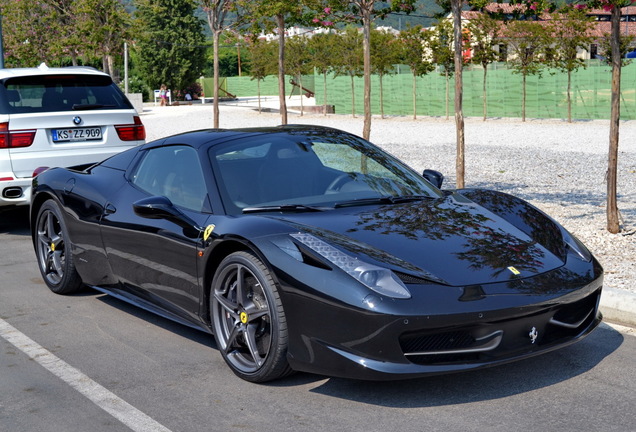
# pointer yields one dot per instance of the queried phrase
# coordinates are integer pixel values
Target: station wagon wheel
(54, 252)
(248, 319)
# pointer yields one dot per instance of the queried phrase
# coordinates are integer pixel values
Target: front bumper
(356, 344)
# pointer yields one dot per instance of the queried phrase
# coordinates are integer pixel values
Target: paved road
(91, 362)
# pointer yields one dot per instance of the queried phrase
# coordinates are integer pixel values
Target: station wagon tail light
(17, 138)
(132, 132)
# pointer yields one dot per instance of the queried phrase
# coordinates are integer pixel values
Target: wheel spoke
(240, 285)
(56, 260)
(43, 234)
(229, 306)
(231, 338)
(252, 346)
(50, 226)
(255, 314)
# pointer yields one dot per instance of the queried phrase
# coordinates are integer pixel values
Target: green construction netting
(546, 95)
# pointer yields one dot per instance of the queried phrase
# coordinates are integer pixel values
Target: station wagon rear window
(49, 93)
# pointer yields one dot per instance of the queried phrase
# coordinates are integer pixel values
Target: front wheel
(53, 250)
(248, 319)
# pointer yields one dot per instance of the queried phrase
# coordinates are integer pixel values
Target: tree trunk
(485, 93)
(366, 45)
(281, 68)
(111, 67)
(613, 225)
(324, 98)
(569, 96)
(459, 112)
(447, 91)
(215, 103)
(523, 99)
(381, 98)
(300, 83)
(353, 97)
(258, 89)
(414, 97)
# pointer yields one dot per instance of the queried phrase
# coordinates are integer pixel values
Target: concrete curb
(619, 306)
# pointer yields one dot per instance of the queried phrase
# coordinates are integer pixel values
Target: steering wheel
(338, 182)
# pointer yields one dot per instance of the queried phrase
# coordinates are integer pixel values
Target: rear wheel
(248, 319)
(53, 250)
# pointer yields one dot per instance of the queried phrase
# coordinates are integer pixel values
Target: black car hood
(453, 240)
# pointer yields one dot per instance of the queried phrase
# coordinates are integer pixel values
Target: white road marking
(102, 397)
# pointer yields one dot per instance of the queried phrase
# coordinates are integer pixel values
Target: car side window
(174, 172)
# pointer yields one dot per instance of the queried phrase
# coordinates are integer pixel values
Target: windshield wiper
(285, 208)
(383, 200)
(86, 107)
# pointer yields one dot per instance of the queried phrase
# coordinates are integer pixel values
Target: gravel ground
(559, 167)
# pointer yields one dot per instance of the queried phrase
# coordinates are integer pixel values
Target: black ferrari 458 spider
(309, 249)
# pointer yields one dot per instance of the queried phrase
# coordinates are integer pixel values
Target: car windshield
(70, 92)
(309, 171)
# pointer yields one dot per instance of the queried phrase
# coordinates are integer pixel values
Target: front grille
(437, 342)
(521, 335)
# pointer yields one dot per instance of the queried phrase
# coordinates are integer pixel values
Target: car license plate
(76, 134)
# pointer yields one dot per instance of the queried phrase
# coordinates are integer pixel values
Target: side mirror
(436, 178)
(160, 207)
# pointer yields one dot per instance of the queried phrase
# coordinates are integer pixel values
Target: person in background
(163, 95)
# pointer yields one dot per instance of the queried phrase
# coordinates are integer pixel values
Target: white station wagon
(59, 117)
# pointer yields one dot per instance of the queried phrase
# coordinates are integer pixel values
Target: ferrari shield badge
(514, 271)
(208, 232)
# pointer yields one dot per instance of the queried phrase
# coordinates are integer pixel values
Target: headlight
(379, 279)
(576, 246)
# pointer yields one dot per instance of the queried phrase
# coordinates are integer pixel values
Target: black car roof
(203, 137)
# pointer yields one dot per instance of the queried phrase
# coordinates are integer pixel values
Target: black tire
(248, 319)
(53, 250)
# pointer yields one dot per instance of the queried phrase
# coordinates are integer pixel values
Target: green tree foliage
(104, 25)
(26, 41)
(170, 45)
(568, 35)
(322, 48)
(443, 54)
(527, 43)
(264, 62)
(414, 51)
(483, 32)
(277, 15)
(297, 63)
(349, 59)
(384, 56)
(365, 12)
(63, 32)
(625, 44)
(216, 12)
